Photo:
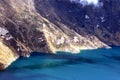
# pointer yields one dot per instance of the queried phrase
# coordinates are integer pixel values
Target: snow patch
(96, 3)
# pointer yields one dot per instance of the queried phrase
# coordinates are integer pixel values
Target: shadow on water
(57, 61)
(49, 66)
(117, 58)
(43, 60)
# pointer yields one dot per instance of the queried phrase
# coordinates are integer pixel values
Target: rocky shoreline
(23, 29)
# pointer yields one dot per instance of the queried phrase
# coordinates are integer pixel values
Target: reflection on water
(100, 64)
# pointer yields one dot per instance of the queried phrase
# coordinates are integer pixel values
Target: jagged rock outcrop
(24, 29)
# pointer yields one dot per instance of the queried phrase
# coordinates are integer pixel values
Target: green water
(100, 64)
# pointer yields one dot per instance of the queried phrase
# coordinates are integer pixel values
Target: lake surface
(100, 64)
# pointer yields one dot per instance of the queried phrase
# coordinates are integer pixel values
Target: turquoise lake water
(100, 64)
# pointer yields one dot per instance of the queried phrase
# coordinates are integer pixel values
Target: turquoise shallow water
(100, 64)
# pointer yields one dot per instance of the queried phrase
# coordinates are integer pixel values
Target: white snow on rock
(88, 2)
(76, 39)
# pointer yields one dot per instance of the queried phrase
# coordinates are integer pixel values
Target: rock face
(7, 55)
(42, 26)
(19, 24)
(102, 22)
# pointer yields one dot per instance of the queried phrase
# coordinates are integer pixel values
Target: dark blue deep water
(100, 64)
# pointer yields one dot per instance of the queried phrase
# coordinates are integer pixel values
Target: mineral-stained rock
(24, 29)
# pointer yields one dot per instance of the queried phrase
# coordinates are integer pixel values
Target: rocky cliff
(43, 26)
(101, 21)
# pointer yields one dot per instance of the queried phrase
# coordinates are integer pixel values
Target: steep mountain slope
(45, 26)
(102, 22)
